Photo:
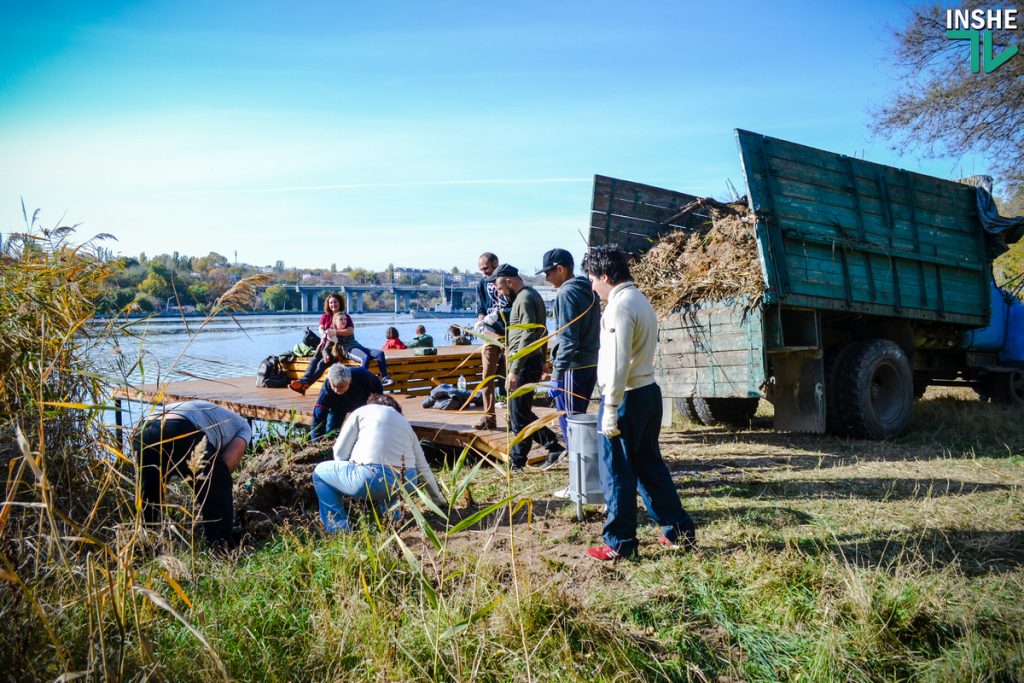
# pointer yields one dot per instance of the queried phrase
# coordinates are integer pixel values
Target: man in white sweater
(630, 414)
(376, 453)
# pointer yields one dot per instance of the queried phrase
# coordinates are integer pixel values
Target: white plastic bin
(584, 477)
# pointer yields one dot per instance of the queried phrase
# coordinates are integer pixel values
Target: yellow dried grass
(715, 260)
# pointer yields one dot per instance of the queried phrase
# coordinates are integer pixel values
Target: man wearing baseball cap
(574, 354)
(526, 326)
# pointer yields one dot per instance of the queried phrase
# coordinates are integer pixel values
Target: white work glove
(610, 421)
(490, 318)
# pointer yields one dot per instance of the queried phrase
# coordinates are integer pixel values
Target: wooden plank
(414, 374)
(813, 273)
(657, 214)
(240, 394)
(735, 341)
(938, 188)
(708, 382)
(909, 311)
(736, 358)
(837, 182)
(842, 224)
(724, 312)
(630, 215)
(629, 192)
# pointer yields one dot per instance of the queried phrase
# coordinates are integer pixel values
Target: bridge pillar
(456, 300)
(302, 302)
(350, 301)
(359, 301)
(405, 302)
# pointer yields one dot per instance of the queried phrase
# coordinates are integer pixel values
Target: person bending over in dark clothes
(345, 390)
(164, 444)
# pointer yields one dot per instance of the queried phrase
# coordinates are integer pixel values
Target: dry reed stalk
(716, 260)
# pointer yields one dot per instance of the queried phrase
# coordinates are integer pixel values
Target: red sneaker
(603, 553)
(299, 386)
(672, 545)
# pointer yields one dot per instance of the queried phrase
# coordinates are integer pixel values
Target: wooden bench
(414, 375)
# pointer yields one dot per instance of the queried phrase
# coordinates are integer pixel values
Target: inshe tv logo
(976, 25)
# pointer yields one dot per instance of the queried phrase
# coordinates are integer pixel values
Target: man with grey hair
(344, 390)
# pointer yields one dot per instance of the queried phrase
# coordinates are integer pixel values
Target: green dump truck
(877, 283)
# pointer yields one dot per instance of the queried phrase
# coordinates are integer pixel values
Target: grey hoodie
(578, 343)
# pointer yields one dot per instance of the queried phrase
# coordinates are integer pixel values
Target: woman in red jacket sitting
(393, 341)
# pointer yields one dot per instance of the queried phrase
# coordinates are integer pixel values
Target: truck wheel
(732, 412)
(1005, 387)
(834, 358)
(876, 389)
(684, 406)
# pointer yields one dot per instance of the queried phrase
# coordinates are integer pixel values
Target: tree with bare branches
(940, 108)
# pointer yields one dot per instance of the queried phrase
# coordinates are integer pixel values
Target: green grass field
(820, 559)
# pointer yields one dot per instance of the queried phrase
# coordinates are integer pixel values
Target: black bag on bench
(270, 375)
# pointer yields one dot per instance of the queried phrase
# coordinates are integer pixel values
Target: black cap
(504, 270)
(553, 258)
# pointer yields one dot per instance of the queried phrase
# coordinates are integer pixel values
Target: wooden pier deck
(414, 375)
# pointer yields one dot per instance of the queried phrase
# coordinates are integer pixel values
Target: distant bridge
(309, 295)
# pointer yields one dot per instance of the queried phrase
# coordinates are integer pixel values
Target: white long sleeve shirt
(629, 337)
(379, 435)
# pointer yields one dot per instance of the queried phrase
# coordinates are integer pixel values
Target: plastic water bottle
(462, 383)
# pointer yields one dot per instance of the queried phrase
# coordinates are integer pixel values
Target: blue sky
(418, 134)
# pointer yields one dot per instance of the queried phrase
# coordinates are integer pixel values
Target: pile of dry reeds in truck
(715, 260)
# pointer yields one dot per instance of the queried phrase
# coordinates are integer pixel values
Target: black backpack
(311, 339)
(270, 375)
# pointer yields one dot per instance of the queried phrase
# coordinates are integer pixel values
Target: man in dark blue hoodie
(574, 354)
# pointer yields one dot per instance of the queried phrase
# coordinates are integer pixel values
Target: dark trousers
(520, 412)
(633, 461)
(363, 355)
(163, 449)
(329, 413)
(572, 396)
(315, 369)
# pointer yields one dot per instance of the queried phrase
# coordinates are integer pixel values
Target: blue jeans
(633, 461)
(572, 395)
(334, 480)
(363, 355)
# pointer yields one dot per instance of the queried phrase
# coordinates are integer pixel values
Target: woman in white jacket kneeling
(376, 453)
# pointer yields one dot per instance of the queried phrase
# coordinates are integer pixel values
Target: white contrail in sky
(410, 183)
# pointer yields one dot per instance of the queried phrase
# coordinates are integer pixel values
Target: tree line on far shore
(180, 282)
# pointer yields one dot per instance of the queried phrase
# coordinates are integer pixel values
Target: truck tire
(731, 412)
(684, 406)
(1005, 387)
(835, 356)
(875, 389)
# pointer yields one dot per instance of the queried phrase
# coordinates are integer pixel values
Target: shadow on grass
(975, 553)
(869, 488)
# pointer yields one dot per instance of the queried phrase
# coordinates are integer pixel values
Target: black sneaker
(554, 457)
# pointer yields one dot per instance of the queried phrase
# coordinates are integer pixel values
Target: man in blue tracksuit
(574, 355)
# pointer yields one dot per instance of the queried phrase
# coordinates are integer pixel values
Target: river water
(165, 349)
